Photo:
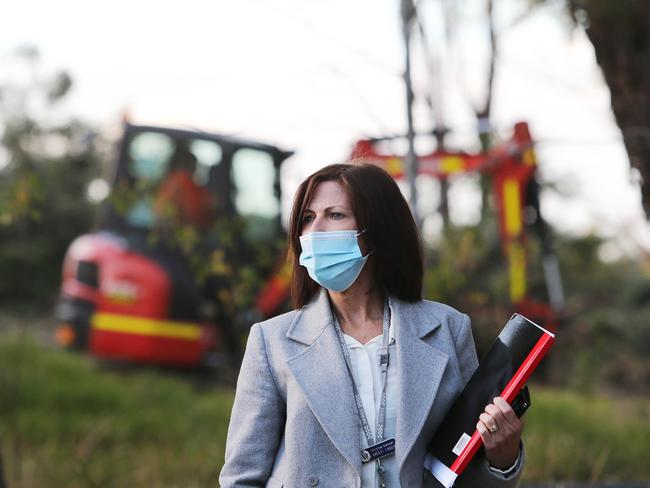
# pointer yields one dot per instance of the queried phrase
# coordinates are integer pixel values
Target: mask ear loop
(358, 234)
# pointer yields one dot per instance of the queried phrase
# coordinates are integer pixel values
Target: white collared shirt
(364, 359)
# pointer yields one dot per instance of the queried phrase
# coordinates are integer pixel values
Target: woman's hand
(500, 429)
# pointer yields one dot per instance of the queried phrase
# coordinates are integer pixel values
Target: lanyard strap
(383, 364)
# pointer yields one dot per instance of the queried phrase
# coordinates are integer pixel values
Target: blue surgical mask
(333, 259)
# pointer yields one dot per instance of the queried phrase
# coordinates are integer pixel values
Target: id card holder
(378, 451)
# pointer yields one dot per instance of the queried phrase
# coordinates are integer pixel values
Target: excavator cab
(189, 235)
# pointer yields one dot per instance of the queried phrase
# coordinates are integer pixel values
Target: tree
(620, 33)
(46, 162)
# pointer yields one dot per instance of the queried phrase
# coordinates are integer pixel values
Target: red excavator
(190, 245)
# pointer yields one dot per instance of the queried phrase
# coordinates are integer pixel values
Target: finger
(485, 434)
(496, 413)
(489, 422)
(507, 411)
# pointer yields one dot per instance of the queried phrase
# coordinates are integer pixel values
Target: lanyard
(373, 443)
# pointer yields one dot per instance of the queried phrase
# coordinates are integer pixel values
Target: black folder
(503, 372)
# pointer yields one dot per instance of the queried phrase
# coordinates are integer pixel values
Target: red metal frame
(512, 165)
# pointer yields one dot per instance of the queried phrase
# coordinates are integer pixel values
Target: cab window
(253, 176)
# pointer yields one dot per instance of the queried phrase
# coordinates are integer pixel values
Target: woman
(362, 360)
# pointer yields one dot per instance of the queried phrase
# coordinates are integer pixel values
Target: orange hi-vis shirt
(179, 196)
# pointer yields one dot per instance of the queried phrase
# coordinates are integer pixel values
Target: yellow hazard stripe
(517, 270)
(512, 206)
(149, 327)
(394, 166)
(529, 157)
(452, 164)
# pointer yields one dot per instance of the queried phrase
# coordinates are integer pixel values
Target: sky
(315, 76)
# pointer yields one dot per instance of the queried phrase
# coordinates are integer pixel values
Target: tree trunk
(620, 33)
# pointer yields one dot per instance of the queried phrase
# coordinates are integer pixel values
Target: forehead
(329, 194)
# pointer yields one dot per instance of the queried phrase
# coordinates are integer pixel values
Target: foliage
(221, 259)
(467, 270)
(462, 255)
(43, 203)
(603, 340)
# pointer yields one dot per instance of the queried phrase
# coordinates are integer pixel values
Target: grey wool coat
(294, 422)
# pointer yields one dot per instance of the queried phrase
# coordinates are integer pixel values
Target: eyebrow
(327, 209)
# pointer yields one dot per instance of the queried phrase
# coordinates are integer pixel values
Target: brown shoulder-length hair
(391, 233)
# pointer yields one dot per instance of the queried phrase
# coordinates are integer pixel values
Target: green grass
(572, 436)
(67, 422)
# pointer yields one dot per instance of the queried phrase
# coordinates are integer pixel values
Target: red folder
(503, 371)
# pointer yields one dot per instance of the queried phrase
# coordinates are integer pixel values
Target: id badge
(378, 451)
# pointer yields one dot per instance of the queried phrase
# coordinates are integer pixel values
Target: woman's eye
(307, 219)
(336, 215)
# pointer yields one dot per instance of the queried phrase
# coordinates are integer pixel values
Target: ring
(493, 428)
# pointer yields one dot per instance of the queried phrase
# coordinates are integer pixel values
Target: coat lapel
(323, 378)
(420, 370)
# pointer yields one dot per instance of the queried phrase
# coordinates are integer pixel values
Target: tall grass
(67, 422)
